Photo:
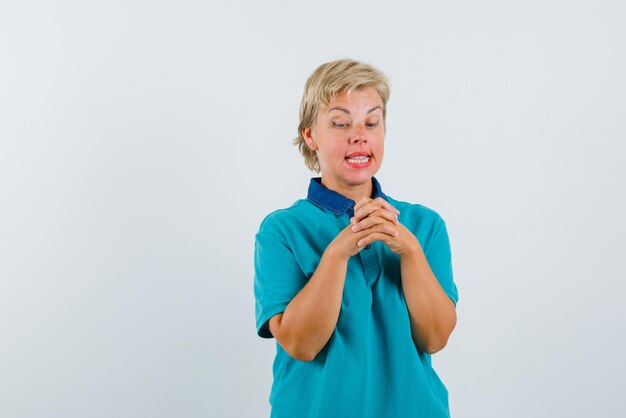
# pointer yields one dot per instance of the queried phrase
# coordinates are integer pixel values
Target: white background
(141, 144)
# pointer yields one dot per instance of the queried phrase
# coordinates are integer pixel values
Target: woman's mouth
(359, 161)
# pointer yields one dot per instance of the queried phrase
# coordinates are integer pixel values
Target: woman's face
(348, 138)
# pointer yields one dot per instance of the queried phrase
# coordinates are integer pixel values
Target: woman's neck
(352, 191)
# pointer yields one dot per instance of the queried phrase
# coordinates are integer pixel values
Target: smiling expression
(348, 138)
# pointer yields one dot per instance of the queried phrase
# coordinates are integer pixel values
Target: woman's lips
(359, 161)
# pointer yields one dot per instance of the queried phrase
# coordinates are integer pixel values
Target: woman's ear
(307, 134)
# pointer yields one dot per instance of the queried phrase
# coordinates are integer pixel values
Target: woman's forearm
(309, 320)
(431, 312)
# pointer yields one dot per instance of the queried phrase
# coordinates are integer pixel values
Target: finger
(387, 214)
(385, 228)
(361, 202)
(365, 211)
(379, 200)
(377, 217)
(367, 206)
(374, 236)
(367, 223)
(386, 205)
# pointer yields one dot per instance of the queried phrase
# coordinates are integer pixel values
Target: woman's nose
(357, 135)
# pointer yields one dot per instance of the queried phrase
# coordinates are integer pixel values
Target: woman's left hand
(370, 212)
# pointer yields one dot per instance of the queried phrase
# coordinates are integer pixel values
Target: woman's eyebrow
(339, 108)
(348, 112)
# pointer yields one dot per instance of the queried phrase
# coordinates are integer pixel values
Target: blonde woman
(355, 286)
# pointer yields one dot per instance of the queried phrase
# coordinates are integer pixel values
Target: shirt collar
(335, 202)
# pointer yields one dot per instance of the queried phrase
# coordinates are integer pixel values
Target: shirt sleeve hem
(261, 324)
(453, 297)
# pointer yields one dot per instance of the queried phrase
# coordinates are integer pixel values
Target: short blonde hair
(327, 81)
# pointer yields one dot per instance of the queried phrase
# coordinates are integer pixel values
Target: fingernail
(354, 228)
(360, 243)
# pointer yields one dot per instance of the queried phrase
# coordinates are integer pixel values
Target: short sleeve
(277, 276)
(439, 258)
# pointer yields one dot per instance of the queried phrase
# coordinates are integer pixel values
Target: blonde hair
(326, 82)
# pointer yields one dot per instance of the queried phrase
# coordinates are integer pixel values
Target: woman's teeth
(359, 160)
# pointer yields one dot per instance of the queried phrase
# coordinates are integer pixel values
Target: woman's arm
(431, 312)
(309, 320)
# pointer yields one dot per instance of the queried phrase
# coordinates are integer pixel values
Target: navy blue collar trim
(335, 202)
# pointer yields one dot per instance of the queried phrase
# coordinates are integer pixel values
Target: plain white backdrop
(141, 144)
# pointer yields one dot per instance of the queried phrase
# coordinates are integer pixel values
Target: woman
(355, 286)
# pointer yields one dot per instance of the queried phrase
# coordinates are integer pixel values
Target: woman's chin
(359, 176)
(349, 175)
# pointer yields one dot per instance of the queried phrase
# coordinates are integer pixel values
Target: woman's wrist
(336, 254)
(412, 251)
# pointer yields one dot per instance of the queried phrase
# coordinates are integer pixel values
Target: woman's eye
(340, 125)
(372, 124)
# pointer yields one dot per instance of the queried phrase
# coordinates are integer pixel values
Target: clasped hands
(375, 220)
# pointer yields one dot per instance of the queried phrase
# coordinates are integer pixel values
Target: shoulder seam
(281, 210)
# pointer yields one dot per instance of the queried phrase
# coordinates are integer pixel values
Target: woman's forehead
(364, 97)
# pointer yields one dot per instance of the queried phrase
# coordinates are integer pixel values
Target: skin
(351, 123)
(354, 123)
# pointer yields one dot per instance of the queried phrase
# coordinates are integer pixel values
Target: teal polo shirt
(370, 367)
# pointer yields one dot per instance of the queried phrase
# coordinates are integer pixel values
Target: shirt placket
(370, 263)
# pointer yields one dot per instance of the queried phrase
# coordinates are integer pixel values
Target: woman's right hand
(346, 243)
